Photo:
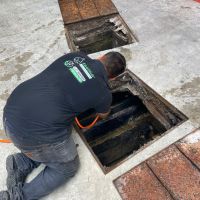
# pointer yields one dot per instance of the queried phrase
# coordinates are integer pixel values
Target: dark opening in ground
(98, 34)
(138, 116)
(129, 126)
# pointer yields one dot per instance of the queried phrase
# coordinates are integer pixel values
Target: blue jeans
(61, 163)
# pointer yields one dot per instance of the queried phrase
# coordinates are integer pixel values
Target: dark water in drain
(128, 127)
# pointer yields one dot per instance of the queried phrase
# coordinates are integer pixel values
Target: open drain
(138, 116)
(95, 25)
(98, 34)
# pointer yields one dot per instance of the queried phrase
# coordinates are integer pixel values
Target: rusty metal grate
(171, 174)
(138, 117)
(79, 10)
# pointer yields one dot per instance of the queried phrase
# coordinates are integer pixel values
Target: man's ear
(100, 57)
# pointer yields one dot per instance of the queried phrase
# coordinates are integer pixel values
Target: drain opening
(138, 116)
(129, 126)
(94, 26)
(98, 34)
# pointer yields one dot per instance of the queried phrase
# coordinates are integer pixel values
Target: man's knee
(72, 167)
(65, 170)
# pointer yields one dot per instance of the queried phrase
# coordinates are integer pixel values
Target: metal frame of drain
(169, 116)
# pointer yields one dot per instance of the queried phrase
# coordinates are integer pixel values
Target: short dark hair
(115, 63)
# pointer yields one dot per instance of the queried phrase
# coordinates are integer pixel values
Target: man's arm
(103, 107)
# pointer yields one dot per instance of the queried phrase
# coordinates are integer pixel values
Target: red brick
(141, 184)
(190, 146)
(176, 173)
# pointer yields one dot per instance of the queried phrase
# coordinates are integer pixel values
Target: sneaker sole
(4, 195)
(10, 163)
(12, 178)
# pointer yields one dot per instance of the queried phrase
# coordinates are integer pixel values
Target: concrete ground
(166, 58)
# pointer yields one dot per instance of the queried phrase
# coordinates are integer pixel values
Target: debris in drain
(138, 115)
(105, 32)
(119, 26)
(127, 128)
(98, 34)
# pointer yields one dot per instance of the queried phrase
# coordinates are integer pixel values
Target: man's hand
(104, 115)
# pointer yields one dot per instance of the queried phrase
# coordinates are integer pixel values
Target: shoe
(15, 176)
(13, 193)
(4, 195)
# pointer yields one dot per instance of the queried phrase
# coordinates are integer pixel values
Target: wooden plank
(69, 11)
(105, 7)
(87, 9)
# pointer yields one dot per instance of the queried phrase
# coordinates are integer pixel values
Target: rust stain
(4, 96)
(190, 146)
(69, 11)
(176, 173)
(141, 184)
(105, 7)
(79, 10)
(2, 134)
(87, 9)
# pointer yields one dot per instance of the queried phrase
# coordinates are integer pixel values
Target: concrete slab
(166, 58)
(167, 55)
(31, 37)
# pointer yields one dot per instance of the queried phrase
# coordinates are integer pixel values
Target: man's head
(114, 63)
